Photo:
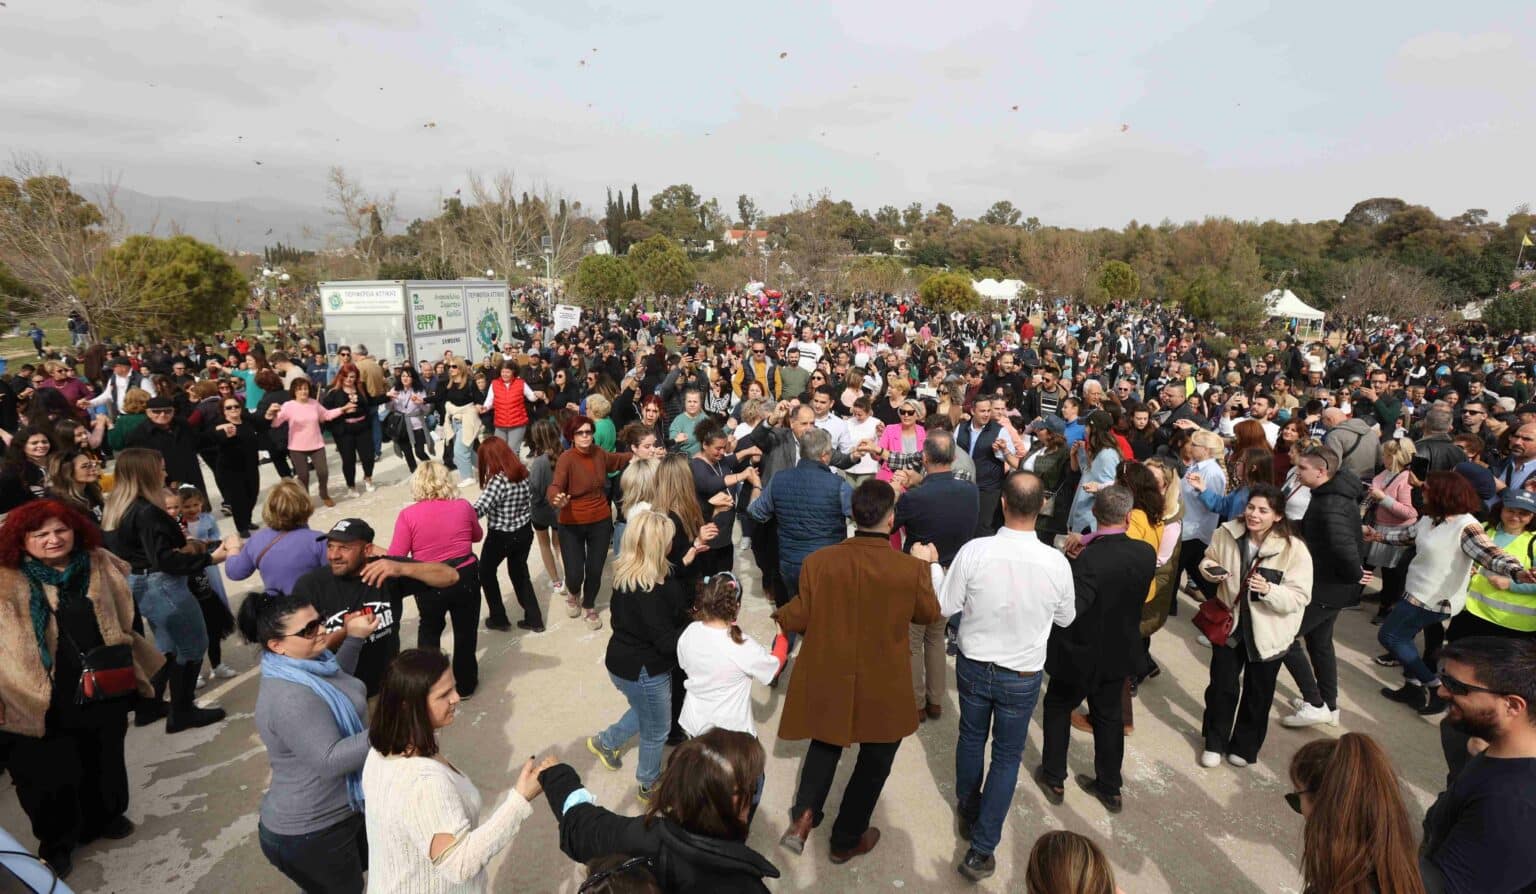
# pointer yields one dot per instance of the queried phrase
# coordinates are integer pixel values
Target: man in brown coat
(851, 682)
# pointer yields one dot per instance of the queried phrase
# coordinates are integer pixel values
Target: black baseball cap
(160, 402)
(349, 530)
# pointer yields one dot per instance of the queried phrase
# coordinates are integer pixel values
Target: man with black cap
(361, 578)
(173, 439)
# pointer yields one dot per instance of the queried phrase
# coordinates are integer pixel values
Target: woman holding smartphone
(1263, 577)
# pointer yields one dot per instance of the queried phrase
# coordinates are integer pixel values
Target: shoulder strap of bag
(266, 549)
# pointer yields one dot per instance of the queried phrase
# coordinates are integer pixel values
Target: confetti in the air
(258, 162)
(783, 55)
(1015, 108)
(430, 124)
(1124, 128)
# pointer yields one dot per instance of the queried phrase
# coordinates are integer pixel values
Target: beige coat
(25, 689)
(1277, 617)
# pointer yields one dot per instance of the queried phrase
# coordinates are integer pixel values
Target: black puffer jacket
(681, 861)
(1331, 529)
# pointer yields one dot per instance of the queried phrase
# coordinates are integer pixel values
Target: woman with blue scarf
(309, 713)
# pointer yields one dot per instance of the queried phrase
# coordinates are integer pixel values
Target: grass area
(18, 348)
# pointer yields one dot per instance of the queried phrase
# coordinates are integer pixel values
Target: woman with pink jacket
(1390, 500)
(306, 443)
(904, 437)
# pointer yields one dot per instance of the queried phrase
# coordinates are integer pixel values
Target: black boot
(149, 710)
(185, 714)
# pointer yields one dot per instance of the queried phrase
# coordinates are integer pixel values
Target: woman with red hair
(580, 492)
(1448, 540)
(61, 597)
(507, 506)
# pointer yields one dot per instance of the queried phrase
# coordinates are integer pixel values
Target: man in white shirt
(821, 402)
(1261, 409)
(810, 352)
(123, 377)
(1011, 589)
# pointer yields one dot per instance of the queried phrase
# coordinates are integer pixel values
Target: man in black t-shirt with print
(1477, 835)
(361, 578)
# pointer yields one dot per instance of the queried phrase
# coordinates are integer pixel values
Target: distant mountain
(239, 225)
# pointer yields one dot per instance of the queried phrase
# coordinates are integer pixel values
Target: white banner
(374, 299)
(488, 311)
(430, 346)
(436, 309)
(567, 316)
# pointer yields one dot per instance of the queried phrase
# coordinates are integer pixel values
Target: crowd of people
(1032, 493)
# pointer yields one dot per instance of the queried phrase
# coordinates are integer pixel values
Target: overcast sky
(1078, 113)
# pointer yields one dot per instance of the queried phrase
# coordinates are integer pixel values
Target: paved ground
(1184, 829)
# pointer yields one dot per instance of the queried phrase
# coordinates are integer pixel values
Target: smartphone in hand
(1217, 571)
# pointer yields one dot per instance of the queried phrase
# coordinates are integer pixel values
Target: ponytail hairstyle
(1358, 836)
(263, 615)
(719, 599)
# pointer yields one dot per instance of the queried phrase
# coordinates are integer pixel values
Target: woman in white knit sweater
(426, 830)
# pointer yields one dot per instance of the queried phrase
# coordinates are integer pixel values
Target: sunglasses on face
(312, 630)
(584, 431)
(1457, 687)
(906, 412)
(231, 406)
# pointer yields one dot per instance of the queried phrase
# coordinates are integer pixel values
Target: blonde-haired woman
(442, 526)
(675, 497)
(1154, 613)
(897, 388)
(1064, 862)
(141, 533)
(1390, 505)
(648, 611)
(1202, 456)
(286, 548)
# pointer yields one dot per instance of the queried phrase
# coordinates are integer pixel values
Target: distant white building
(599, 247)
(901, 244)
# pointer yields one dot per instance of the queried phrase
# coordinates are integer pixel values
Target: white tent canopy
(1284, 303)
(1006, 290)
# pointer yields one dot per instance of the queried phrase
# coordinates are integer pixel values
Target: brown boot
(794, 838)
(934, 711)
(867, 842)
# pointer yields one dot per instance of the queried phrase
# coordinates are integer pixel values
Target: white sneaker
(1311, 715)
(1200, 638)
(225, 672)
(1298, 702)
(368, 486)
(201, 681)
(1209, 759)
(1236, 761)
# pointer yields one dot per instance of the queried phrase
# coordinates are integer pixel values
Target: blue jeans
(463, 453)
(1403, 623)
(649, 716)
(378, 429)
(990, 698)
(332, 859)
(173, 614)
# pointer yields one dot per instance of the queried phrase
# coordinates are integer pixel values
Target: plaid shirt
(505, 505)
(1475, 542)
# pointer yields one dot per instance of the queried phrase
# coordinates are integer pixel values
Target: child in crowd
(189, 506)
(721, 662)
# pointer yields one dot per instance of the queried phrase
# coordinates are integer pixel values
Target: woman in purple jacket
(286, 546)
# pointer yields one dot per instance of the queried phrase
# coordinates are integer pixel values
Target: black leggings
(352, 446)
(584, 549)
(239, 490)
(418, 438)
(460, 602)
(511, 547)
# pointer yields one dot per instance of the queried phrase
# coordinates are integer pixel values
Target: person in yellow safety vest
(1499, 606)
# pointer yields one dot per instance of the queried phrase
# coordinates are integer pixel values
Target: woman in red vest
(508, 398)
